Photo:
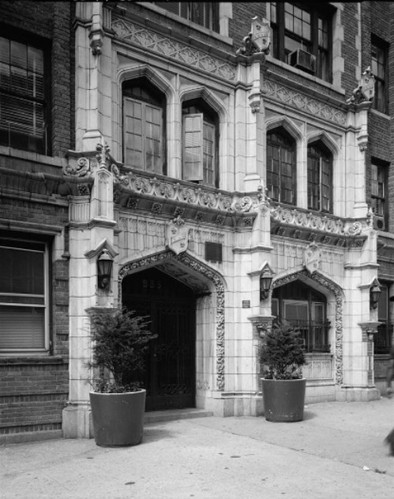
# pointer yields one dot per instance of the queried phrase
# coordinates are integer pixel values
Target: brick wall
(33, 394)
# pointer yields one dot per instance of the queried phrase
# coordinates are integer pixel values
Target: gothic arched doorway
(171, 305)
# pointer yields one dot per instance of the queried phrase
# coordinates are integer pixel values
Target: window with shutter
(200, 142)
(23, 124)
(23, 297)
(143, 127)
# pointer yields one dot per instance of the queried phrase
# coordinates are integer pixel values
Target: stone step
(174, 414)
(30, 436)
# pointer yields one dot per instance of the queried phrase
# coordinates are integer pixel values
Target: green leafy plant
(282, 352)
(120, 342)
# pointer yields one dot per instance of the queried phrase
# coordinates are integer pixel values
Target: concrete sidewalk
(336, 452)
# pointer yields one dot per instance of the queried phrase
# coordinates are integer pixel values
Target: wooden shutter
(153, 139)
(326, 184)
(193, 147)
(133, 139)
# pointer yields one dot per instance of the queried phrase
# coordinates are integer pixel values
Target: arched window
(281, 167)
(306, 309)
(200, 143)
(143, 126)
(319, 178)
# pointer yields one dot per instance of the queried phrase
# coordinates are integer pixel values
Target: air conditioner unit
(379, 223)
(303, 60)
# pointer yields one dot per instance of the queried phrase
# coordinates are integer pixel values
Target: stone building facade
(208, 148)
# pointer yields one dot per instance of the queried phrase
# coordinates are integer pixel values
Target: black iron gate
(170, 373)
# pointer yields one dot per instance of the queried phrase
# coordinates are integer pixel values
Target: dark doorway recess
(170, 373)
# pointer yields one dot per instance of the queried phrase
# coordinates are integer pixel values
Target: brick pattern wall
(33, 390)
(33, 394)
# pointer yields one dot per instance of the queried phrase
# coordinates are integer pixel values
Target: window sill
(380, 114)
(305, 75)
(31, 156)
(29, 360)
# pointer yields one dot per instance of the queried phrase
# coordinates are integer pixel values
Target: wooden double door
(170, 361)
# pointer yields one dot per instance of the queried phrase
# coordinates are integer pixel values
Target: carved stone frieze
(304, 102)
(168, 47)
(162, 260)
(318, 227)
(338, 296)
(199, 196)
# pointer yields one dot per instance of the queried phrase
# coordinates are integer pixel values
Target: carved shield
(312, 257)
(261, 33)
(177, 238)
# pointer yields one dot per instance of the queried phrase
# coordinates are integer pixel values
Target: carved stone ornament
(177, 236)
(258, 40)
(312, 258)
(365, 91)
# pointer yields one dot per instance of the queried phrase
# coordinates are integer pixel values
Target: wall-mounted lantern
(374, 294)
(265, 282)
(104, 269)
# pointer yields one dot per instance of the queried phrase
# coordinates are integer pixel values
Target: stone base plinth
(356, 394)
(77, 421)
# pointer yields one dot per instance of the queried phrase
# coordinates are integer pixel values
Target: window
(281, 167)
(319, 178)
(382, 341)
(143, 126)
(23, 121)
(200, 143)
(23, 296)
(203, 13)
(378, 191)
(304, 308)
(378, 67)
(302, 36)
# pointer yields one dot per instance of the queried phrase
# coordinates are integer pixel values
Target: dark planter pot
(118, 418)
(284, 399)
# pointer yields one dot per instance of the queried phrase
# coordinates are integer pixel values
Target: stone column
(91, 230)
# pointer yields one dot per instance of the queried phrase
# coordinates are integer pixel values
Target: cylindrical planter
(284, 399)
(118, 418)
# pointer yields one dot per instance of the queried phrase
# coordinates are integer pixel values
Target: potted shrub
(120, 341)
(282, 354)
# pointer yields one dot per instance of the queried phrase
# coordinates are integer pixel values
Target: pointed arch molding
(286, 123)
(130, 73)
(338, 295)
(210, 98)
(327, 140)
(204, 270)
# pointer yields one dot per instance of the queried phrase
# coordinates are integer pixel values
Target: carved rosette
(337, 292)
(205, 271)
